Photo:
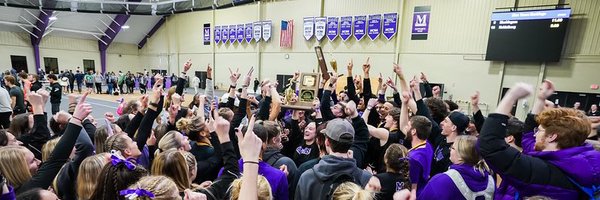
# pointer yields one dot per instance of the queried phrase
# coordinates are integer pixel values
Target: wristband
(232, 86)
(154, 104)
(77, 118)
(250, 162)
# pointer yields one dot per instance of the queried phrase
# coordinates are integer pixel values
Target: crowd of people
(351, 144)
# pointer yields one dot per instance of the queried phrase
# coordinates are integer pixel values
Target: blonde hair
(169, 141)
(194, 128)
(168, 99)
(349, 190)
(88, 175)
(13, 165)
(101, 137)
(48, 148)
(162, 187)
(172, 164)
(264, 189)
(465, 148)
(116, 142)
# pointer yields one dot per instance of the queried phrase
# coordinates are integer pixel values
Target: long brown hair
(114, 178)
(172, 164)
(396, 160)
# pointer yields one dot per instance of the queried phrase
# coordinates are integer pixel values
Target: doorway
(19, 63)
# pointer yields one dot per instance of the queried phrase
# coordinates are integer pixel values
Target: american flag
(287, 34)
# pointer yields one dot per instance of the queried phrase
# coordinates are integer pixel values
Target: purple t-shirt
(420, 158)
(275, 177)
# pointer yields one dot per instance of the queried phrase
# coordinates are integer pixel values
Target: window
(19, 63)
(51, 65)
(89, 65)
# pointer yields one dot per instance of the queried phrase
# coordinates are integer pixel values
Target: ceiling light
(53, 18)
(125, 27)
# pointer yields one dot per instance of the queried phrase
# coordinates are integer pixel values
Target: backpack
(459, 182)
(331, 184)
(274, 158)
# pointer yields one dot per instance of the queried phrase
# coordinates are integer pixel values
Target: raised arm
(350, 83)
(477, 115)
(209, 91)
(181, 80)
(326, 100)
(250, 147)
(428, 92)
(154, 109)
(361, 134)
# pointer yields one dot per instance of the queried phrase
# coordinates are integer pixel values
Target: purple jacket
(10, 195)
(275, 177)
(532, 173)
(475, 180)
(420, 159)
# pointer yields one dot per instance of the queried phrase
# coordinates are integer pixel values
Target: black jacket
(55, 92)
(36, 86)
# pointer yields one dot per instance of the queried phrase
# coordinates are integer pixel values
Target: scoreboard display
(536, 35)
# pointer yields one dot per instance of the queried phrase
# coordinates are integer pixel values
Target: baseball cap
(339, 130)
(461, 121)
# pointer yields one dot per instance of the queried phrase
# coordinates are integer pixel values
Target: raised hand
(158, 79)
(380, 78)
(296, 75)
(519, 91)
(187, 65)
(546, 90)
(390, 83)
(333, 79)
(233, 77)
(176, 99)
(366, 67)
(45, 95)
(191, 195)
(221, 125)
(423, 77)
(350, 66)
(475, 99)
(144, 101)
(248, 77)
(110, 117)
(372, 103)
(35, 99)
(209, 70)
(156, 92)
(398, 71)
(83, 109)
(250, 144)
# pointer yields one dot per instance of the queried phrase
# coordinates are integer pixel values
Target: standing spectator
(143, 82)
(256, 83)
(55, 93)
(130, 81)
(80, 77)
(577, 105)
(98, 82)
(594, 111)
(5, 109)
(110, 83)
(16, 95)
(89, 79)
(71, 77)
(195, 84)
(35, 82)
(339, 138)
(121, 81)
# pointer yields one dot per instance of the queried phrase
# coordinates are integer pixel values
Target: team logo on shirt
(303, 151)
(399, 186)
(439, 155)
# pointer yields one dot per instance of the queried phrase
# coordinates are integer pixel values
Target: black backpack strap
(274, 158)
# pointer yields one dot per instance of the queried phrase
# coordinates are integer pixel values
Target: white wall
(453, 54)
(70, 52)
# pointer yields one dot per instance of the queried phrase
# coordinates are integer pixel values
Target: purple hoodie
(420, 158)
(533, 172)
(582, 164)
(475, 180)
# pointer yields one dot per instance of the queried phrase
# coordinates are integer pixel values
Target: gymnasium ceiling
(90, 19)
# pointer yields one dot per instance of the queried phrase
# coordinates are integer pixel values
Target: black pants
(98, 88)
(5, 120)
(121, 88)
(55, 107)
(79, 87)
(71, 85)
(130, 89)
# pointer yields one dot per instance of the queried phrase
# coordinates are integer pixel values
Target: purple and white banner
(332, 27)
(240, 33)
(360, 27)
(420, 23)
(248, 34)
(390, 25)
(309, 27)
(232, 34)
(257, 31)
(206, 34)
(374, 26)
(217, 34)
(225, 34)
(320, 27)
(266, 30)
(345, 27)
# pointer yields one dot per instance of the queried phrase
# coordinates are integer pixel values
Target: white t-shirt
(4, 101)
